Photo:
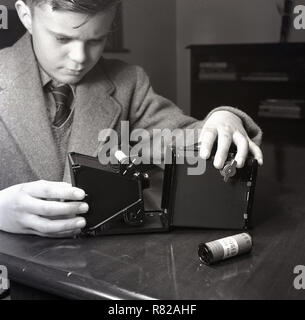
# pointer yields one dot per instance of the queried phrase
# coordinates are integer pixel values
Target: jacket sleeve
(151, 111)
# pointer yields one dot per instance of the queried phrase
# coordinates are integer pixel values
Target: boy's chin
(71, 79)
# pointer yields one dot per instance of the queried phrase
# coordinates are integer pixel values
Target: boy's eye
(98, 41)
(62, 40)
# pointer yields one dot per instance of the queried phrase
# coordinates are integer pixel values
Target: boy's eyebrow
(76, 38)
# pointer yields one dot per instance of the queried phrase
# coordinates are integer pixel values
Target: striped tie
(61, 95)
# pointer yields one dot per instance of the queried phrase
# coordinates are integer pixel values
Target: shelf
(238, 81)
(248, 75)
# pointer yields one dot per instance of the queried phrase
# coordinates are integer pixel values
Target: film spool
(224, 248)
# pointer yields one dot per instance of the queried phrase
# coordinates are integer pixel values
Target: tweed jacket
(112, 91)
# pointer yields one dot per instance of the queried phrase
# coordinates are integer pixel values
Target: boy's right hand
(38, 208)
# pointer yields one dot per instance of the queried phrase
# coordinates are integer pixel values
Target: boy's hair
(80, 6)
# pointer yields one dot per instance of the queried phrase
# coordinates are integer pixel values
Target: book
(281, 108)
(265, 76)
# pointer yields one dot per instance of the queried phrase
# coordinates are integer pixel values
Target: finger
(223, 146)
(53, 190)
(46, 226)
(242, 145)
(206, 140)
(66, 234)
(257, 152)
(54, 208)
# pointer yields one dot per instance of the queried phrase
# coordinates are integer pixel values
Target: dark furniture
(243, 75)
(166, 266)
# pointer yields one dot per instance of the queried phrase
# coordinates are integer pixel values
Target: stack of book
(282, 108)
(216, 71)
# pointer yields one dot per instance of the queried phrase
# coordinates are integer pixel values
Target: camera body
(218, 199)
(214, 198)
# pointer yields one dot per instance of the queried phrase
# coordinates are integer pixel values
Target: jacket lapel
(24, 113)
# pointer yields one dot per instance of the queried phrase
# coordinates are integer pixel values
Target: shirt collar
(46, 80)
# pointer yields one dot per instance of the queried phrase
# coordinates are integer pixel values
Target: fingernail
(240, 162)
(260, 161)
(79, 193)
(83, 208)
(204, 153)
(81, 223)
(217, 162)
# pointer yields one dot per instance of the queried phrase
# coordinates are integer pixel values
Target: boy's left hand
(227, 128)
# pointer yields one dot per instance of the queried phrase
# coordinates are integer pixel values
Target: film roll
(224, 248)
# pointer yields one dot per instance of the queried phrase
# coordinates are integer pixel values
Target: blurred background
(157, 32)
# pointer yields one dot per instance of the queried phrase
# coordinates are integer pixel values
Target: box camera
(194, 193)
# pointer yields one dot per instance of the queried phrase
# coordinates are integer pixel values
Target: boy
(57, 93)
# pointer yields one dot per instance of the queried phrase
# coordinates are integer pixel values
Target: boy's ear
(25, 14)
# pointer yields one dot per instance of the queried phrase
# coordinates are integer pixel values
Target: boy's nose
(78, 53)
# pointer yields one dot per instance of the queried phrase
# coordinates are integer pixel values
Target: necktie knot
(61, 95)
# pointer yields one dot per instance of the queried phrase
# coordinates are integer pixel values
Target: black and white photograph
(152, 151)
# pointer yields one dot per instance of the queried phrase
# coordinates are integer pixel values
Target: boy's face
(68, 44)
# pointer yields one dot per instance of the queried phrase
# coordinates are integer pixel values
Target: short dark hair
(80, 6)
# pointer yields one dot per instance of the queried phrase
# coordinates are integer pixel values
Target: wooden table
(166, 266)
